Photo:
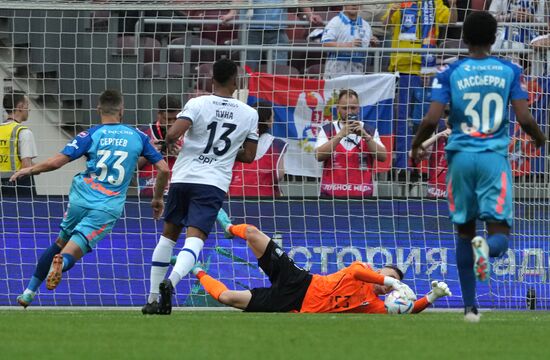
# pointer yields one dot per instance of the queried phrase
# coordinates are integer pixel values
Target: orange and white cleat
(56, 271)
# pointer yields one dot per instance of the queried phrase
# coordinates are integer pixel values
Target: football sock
(498, 244)
(239, 230)
(159, 266)
(465, 265)
(68, 262)
(186, 259)
(30, 292)
(212, 286)
(43, 266)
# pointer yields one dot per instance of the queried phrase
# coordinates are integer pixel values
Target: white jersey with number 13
(219, 127)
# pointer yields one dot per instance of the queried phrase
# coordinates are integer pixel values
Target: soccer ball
(397, 302)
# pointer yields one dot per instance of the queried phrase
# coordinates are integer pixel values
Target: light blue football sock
(34, 284)
(68, 262)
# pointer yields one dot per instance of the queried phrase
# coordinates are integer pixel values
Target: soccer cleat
(25, 299)
(197, 269)
(56, 271)
(481, 258)
(166, 290)
(471, 314)
(224, 221)
(150, 308)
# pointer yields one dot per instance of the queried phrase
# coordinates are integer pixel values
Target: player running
(479, 179)
(354, 289)
(217, 130)
(97, 195)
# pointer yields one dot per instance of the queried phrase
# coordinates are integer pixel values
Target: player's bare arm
(176, 131)
(247, 153)
(527, 122)
(427, 128)
(163, 173)
(53, 163)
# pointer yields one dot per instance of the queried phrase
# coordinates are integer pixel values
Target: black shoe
(166, 291)
(150, 308)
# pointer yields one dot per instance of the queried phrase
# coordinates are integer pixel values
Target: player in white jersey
(217, 130)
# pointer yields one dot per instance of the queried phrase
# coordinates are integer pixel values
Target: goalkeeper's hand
(406, 290)
(439, 290)
(398, 285)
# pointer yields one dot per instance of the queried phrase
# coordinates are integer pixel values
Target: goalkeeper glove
(398, 285)
(439, 290)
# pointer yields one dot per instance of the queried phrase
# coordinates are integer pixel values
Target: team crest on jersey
(83, 134)
(408, 20)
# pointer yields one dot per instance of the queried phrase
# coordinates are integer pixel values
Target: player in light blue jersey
(98, 194)
(479, 179)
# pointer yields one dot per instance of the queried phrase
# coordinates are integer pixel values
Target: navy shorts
(195, 205)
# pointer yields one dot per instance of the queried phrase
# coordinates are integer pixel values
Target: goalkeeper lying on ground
(353, 289)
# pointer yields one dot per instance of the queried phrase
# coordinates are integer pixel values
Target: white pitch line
(108, 308)
(179, 308)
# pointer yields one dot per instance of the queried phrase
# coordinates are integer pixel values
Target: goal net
(380, 208)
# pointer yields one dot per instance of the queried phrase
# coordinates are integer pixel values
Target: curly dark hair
(479, 29)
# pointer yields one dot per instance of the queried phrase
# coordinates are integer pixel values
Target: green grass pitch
(59, 334)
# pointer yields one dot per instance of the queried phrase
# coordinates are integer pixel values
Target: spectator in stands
(543, 41)
(415, 25)
(525, 159)
(167, 111)
(268, 34)
(345, 30)
(463, 8)
(348, 148)
(520, 11)
(374, 15)
(17, 145)
(262, 176)
(437, 162)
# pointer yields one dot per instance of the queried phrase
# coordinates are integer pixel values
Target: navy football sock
(465, 265)
(498, 244)
(43, 266)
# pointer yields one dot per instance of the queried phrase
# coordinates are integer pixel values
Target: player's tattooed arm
(53, 163)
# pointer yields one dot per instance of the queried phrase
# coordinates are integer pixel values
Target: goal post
(63, 54)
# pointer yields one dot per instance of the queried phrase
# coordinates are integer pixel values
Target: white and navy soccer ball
(397, 302)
